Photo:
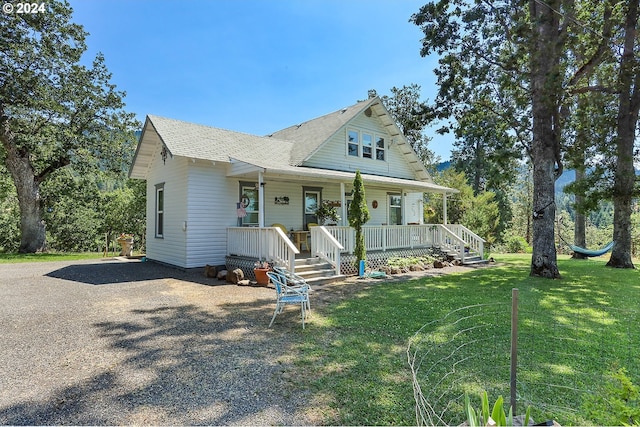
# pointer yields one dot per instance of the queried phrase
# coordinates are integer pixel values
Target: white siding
(380, 215)
(291, 215)
(171, 248)
(333, 154)
(211, 209)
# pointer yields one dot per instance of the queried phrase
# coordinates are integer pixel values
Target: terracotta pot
(261, 276)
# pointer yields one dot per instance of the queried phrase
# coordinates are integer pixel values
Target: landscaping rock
(210, 271)
(416, 267)
(222, 274)
(438, 264)
(244, 282)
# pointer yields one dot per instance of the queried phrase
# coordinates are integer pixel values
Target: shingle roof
(286, 148)
(307, 137)
(209, 143)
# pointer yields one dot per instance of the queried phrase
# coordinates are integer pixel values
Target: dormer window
(379, 148)
(366, 145)
(353, 145)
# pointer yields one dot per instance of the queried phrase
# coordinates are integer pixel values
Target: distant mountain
(567, 177)
(443, 166)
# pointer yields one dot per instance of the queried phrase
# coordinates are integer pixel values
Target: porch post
(261, 199)
(403, 204)
(343, 205)
(444, 208)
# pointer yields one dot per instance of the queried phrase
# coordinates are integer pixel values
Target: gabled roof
(308, 137)
(289, 147)
(203, 142)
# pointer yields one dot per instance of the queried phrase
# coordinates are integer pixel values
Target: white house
(213, 194)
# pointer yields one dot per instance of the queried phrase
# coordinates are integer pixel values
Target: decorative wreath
(244, 201)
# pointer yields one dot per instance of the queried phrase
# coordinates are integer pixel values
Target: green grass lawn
(572, 331)
(6, 258)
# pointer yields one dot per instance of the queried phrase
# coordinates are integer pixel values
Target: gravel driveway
(125, 342)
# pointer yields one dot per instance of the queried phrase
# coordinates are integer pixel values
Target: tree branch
(52, 167)
(587, 68)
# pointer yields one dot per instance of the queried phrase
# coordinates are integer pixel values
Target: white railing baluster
(267, 243)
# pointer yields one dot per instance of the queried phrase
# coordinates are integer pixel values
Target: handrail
(475, 243)
(269, 243)
(451, 241)
(326, 246)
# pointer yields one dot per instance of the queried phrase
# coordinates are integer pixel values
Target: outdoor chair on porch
(288, 295)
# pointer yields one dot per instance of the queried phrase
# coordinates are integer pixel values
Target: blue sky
(257, 66)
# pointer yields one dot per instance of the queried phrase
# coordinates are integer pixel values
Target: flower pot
(261, 276)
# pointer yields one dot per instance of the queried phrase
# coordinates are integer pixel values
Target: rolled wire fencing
(558, 363)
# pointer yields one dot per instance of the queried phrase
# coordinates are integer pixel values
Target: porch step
(476, 260)
(316, 271)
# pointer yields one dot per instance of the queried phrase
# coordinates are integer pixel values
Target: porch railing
(475, 243)
(326, 246)
(267, 243)
(387, 237)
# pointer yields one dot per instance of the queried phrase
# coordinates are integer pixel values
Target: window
(395, 209)
(160, 210)
(353, 144)
(367, 145)
(379, 148)
(250, 203)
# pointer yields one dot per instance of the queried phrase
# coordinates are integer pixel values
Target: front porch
(334, 245)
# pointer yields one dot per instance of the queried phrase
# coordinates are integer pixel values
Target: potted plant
(260, 269)
(327, 212)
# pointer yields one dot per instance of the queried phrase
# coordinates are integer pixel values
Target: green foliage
(617, 404)
(498, 416)
(514, 245)
(57, 113)
(358, 216)
(480, 213)
(327, 212)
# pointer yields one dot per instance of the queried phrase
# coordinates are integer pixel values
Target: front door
(312, 200)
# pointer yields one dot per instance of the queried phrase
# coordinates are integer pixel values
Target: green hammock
(587, 252)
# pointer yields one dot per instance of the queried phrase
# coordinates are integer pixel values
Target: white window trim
(159, 233)
(374, 144)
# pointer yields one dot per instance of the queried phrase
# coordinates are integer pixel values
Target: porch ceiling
(301, 173)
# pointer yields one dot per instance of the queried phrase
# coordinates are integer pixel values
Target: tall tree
(516, 53)
(54, 111)
(625, 179)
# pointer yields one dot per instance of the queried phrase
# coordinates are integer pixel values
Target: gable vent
(367, 112)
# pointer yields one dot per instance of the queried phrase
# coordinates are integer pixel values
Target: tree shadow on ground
(183, 365)
(108, 273)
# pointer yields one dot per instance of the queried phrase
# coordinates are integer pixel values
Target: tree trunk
(545, 82)
(627, 120)
(32, 227)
